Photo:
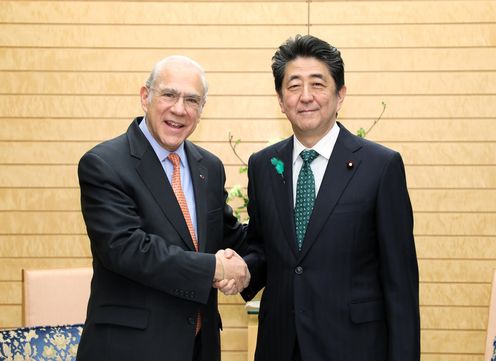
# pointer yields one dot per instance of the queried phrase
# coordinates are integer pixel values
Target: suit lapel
(199, 176)
(336, 177)
(153, 176)
(282, 188)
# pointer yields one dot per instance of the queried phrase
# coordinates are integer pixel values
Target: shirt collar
(161, 153)
(324, 146)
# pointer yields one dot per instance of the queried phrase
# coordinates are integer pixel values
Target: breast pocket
(344, 208)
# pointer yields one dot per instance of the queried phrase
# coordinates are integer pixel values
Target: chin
(171, 146)
(308, 125)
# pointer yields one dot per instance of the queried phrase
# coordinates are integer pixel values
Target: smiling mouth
(173, 124)
(304, 111)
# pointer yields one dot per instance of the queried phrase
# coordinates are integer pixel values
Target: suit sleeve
(255, 257)
(120, 243)
(399, 270)
(234, 232)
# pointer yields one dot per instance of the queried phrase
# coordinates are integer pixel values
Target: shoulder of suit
(110, 148)
(272, 149)
(374, 152)
(203, 152)
(355, 142)
(377, 148)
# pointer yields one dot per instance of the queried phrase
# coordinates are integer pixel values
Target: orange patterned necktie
(181, 199)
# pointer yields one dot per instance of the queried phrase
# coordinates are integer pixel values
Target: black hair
(307, 46)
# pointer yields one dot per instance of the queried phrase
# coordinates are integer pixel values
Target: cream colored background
(70, 73)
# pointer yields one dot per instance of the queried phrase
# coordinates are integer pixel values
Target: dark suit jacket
(148, 281)
(352, 291)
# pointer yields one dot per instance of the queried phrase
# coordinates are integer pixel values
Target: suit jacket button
(299, 270)
(191, 320)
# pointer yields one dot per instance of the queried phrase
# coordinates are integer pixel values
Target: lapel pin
(350, 165)
(202, 177)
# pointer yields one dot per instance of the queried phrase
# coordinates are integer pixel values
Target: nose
(306, 94)
(178, 107)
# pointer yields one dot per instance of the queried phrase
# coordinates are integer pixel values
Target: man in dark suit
(331, 228)
(155, 211)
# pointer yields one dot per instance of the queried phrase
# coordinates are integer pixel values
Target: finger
(220, 252)
(230, 288)
(232, 291)
(228, 253)
(225, 285)
(221, 284)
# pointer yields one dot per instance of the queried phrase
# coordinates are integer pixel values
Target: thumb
(229, 253)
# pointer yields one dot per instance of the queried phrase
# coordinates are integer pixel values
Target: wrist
(219, 269)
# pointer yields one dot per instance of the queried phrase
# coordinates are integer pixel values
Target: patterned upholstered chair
(51, 297)
(40, 343)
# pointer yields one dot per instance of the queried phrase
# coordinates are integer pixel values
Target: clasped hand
(231, 273)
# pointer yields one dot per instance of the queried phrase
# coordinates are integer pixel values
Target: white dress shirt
(324, 147)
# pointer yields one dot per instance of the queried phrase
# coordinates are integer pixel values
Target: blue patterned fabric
(40, 343)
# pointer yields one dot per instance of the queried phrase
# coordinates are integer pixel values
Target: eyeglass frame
(171, 96)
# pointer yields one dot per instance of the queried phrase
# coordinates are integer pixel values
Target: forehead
(183, 77)
(301, 68)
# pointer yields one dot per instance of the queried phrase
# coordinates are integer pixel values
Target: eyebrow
(173, 90)
(316, 75)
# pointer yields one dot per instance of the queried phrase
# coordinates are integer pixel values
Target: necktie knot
(308, 156)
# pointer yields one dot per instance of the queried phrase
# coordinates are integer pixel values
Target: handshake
(231, 272)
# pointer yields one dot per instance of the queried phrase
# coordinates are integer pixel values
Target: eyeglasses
(171, 97)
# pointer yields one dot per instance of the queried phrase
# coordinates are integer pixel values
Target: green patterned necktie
(305, 195)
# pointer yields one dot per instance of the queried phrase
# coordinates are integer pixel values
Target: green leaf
(234, 192)
(278, 165)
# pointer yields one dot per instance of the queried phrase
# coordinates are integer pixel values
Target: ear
(341, 96)
(198, 118)
(144, 91)
(200, 111)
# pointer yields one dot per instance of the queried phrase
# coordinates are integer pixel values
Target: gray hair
(160, 65)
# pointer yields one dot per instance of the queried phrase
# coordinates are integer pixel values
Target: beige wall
(69, 78)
